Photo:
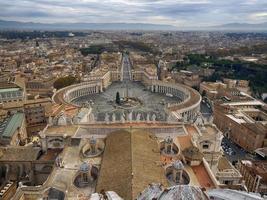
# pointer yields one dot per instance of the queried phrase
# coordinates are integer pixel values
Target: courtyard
(150, 103)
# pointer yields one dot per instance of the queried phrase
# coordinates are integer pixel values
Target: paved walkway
(126, 69)
(62, 178)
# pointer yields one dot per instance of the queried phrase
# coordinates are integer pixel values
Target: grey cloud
(189, 11)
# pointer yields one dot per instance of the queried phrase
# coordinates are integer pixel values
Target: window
(205, 144)
(227, 182)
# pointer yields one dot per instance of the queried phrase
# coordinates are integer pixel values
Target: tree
(64, 82)
(118, 98)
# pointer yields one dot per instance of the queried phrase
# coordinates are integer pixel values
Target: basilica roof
(131, 161)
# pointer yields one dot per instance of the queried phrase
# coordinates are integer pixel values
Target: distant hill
(14, 25)
(241, 27)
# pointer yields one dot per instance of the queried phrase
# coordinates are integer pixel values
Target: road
(205, 110)
(234, 153)
(126, 69)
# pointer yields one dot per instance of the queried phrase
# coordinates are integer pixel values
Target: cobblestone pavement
(153, 103)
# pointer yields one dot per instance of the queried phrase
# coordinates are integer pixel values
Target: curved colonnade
(68, 94)
(186, 110)
(82, 89)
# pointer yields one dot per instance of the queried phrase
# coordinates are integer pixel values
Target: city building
(187, 77)
(233, 121)
(37, 112)
(13, 129)
(255, 175)
(25, 165)
(210, 89)
(10, 92)
(130, 128)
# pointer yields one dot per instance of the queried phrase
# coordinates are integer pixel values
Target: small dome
(92, 140)
(178, 165)
(84, 167)
(168, 140)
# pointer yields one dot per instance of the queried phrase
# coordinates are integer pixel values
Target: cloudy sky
(172, 12)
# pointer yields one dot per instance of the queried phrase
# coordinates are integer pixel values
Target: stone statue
(92, 117)
(62, 120)
(127, 116)
(147, 117)
(122, 117)
(185, 118)
(199, 120)
(170, 118)
(153, 117)
(138, 117)
(106, 117)
(113, 117)
(130, 116)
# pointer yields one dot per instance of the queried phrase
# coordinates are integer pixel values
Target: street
(126, 69)
(234, 153)
(205, 110)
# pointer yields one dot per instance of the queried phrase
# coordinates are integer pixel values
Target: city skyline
(179, 13)
(133, 100)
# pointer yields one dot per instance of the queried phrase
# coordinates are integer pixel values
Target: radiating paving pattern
(126, 69)
(152, 103)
